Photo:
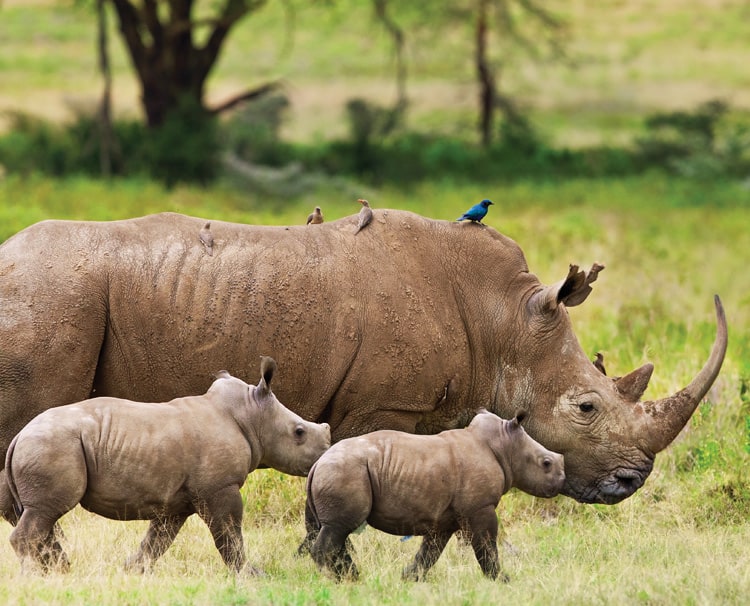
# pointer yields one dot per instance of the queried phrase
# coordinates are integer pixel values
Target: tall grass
(669, 245)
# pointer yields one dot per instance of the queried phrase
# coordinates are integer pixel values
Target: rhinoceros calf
(164, 462)
(433, 486)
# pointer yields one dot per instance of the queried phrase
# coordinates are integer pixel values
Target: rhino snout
(622, 483)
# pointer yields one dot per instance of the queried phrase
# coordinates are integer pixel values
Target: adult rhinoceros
(412, 325)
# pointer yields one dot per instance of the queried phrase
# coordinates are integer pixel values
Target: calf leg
(483, 525)
(331, 550)
(222, 513)
(35, 538)
(312, 528)
(159, 536)
(432, 546)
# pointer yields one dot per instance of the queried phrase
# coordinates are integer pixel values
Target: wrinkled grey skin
(432, 486)
(161, 462)
(410, 325)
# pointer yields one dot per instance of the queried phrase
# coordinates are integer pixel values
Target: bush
(253, 133)
(185, 149)
(706, 143)
(701, 143)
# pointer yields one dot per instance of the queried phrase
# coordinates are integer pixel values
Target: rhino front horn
(668, 416)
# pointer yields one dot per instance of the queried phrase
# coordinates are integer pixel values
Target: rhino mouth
(617, 486)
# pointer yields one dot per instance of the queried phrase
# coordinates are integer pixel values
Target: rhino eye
(585, 407)
(547, 463)
(299, 432)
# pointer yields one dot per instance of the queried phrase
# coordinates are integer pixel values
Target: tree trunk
(169, 65)
(485, 76)
(107, 142)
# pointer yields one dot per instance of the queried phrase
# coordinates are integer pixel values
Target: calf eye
(585, 407)
(299, 432)
(547, 463)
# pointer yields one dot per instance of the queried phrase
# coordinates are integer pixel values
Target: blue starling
(477, 212)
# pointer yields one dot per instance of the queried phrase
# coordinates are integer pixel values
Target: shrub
(185, 148)
(701, 143)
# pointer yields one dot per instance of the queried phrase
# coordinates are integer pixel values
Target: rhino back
(401, 308)
(53, 296)
(344, 315)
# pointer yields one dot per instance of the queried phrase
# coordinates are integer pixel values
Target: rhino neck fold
(249, 431)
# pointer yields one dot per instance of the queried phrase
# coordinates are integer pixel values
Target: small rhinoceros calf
(433, 486)
(161, 462)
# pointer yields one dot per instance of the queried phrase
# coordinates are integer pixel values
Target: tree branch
(246, 96)
(232, 12)
(381, 12)
(129, 20)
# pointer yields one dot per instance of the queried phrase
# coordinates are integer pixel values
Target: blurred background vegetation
(376, 91)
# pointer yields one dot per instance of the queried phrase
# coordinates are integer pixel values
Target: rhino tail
(312, 522)
(10, 501)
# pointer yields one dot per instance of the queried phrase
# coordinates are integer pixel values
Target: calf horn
(668, 416)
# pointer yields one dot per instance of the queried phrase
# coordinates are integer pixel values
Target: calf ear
(571, 291)
(267, 368)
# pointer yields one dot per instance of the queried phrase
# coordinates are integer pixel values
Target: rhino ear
(632, 385)
(267, 368)
(571, 291)
(222, 374)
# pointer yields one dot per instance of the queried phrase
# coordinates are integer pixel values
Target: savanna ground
(683, 538)
(669, 244)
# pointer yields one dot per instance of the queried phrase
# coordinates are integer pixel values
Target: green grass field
(669, 245)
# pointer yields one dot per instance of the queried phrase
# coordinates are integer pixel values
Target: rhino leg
(432, 546)
(222, 513)
(159, 536)
(483, 527)
(36, 539)
(331, 550)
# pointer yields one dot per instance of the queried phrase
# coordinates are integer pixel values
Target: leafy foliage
(188, 147)
(701, 143)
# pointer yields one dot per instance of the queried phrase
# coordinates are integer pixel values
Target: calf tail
(10, 501)
(312, 523)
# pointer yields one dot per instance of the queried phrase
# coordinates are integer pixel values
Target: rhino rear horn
(267, 368)
(571, 291)
(633, 384)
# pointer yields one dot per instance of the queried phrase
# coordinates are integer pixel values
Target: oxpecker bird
(477, 212)
(365, 215)
(315, 217)
(599, 363)
(207, 238)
